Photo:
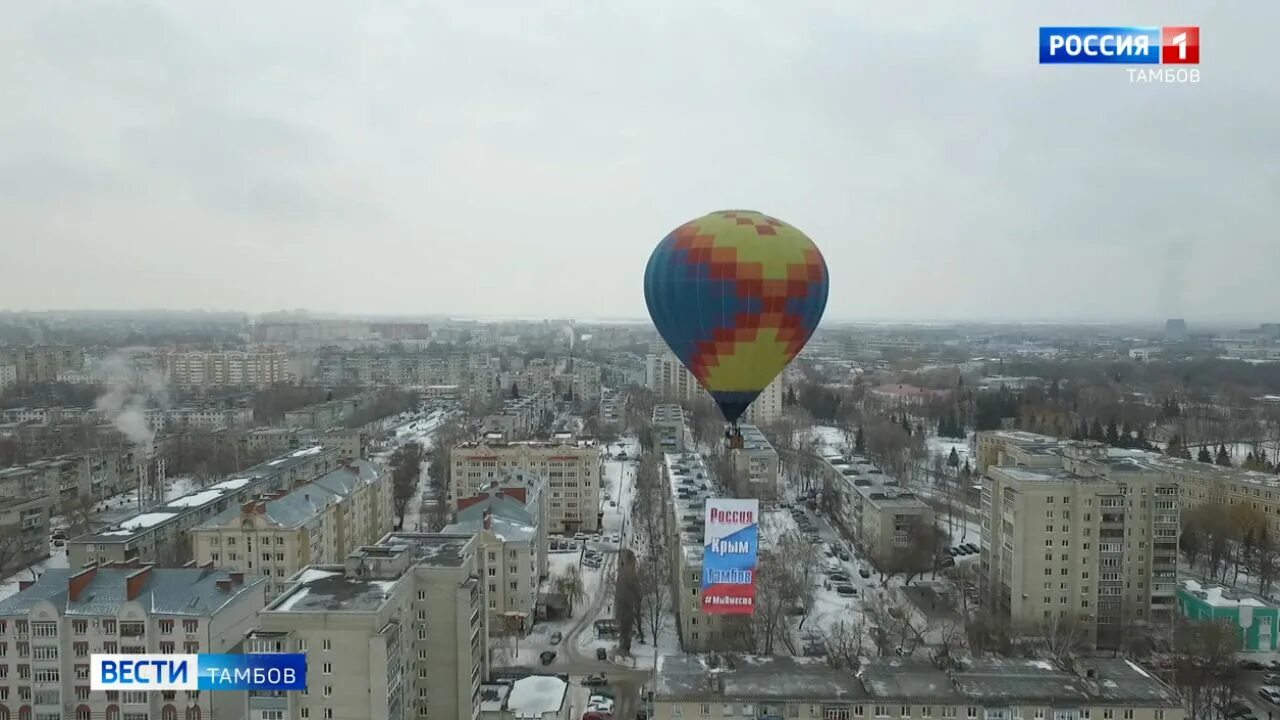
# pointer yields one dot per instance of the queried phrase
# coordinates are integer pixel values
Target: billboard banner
(730, 540)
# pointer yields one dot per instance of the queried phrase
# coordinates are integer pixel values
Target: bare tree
(655, 597)
(846, 642)
(406, 469)
(570, 586)
(1060, 635)
(1204, 666)
(897, 629)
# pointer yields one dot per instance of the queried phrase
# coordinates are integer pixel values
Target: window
(326, 644)
(926, 711)
(1128, 714)
(328, 713)
(881, 711)
(328, 668)
(328, 691)
(166, 626)
(190, 626)
(44, 629)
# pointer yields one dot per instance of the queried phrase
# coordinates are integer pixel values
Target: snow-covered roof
(1220, 597)
(536, 695)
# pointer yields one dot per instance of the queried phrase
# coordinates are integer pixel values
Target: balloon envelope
(736, 294)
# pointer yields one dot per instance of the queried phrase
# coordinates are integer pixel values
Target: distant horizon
(1158, 323)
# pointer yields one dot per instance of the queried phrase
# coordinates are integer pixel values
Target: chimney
(488, 519)
(189, 565)
(134, 583)
(24, 584)
(246, 508)
(237, 578)
(78, 582)
(223, 584)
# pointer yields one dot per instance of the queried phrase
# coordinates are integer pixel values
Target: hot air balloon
(736, 294)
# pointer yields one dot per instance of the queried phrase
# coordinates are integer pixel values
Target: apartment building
(350, 443)
(509, 551)
(25, 510)
(318, 523)
(670, 379)
(325, 415)
(880, 516)
(40, 363)
(755, 465)
(690, 485)
(671, 429)
(398, 631)
(54, 624)
(160, 534)
(520, 418)
(1094, 539)
(229, 368)
(805, 688)
(66, 479)
(571, 468)
(8, 375)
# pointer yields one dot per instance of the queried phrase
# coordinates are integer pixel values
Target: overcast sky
(519, 157)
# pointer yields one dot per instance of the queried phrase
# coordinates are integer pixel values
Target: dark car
(844, 555)
(864, 572)
(595, 680)
(846, 590)
(602, 654)
(971, 547)
(839, 577)
(547, 657)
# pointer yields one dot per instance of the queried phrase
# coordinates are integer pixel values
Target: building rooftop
(907, 678)
(431, 549)
(505, 530)
(987, 682)
(537, 695)
(326, 588)
(754, 441)
(160, 591)
(668, 413)
(698, 677)
(1220, 597)
(306, 501)
(691, 485)
(142, 523)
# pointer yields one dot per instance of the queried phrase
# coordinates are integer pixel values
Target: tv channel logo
(206, 671)
(1172, 47)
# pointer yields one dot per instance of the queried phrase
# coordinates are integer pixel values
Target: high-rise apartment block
(670, 379)
(1076, 531)
(398, 631)
(225, 368)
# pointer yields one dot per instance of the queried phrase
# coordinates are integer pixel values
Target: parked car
(839, 577)
(844, 555)
(846, 590)
(864, 572)
(1270, 694)
(547, 656)
(602, 654)
(1251, 665)
(602, 706)
(1271, 679)
(556, 637)
(595, 680)
(596, 716)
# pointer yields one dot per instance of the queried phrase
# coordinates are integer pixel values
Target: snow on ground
(943, 446)
(830, 438)
(56, 559)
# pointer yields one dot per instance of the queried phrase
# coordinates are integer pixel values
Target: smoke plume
(129, 394)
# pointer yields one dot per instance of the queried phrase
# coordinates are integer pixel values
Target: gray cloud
(510, 156)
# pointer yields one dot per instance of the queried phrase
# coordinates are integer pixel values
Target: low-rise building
(509, 554)
(536, 697)
(690, 686)
(160, 535)
(398, 631)
(1257, 620)
(25, 510)
(318, 523)
(56, 623)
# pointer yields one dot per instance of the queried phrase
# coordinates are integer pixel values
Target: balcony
(261, 700)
